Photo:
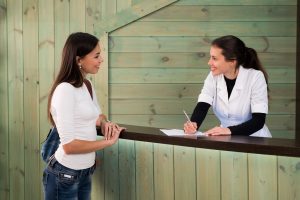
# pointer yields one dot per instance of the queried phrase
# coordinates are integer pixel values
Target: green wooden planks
(225, 13)
(190, 60)
(61, 28)
(208, 172)
(144, 170)
(46, 67)
(126, 16)
(175, 106)
(127, 169)
(93, 12)
(179, 75)
(234, 179)
(263, 178)
(196, 44)
(184, 173)
(216, 29)
(164, 172)
(237, 2)
(77, 16)
(111, 175)
(184, 90)
(31, 98)
(4, 137)
(288, 178)
(15, 98)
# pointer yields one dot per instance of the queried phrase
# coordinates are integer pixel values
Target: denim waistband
(55, 167)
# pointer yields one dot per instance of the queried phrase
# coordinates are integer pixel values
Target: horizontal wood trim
(189, 60)
(175, 91)
(196, 44)
(267, 29)
(251, 13)
(178, 75)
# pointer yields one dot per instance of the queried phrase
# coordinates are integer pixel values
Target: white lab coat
(249, 95)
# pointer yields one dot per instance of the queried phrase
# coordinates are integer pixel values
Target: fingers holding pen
(190, 127)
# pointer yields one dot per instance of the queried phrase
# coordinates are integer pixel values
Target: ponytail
(251, 60)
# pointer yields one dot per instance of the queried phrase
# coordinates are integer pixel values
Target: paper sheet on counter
(179, 132)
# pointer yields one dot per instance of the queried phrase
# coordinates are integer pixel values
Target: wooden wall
(158, 64)
(156, 68)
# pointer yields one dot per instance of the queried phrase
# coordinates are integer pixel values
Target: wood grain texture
(4, 129)
(15, 82)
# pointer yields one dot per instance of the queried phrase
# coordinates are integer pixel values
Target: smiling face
(90, 63)
(219, 65)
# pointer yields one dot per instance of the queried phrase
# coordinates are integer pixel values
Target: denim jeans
(62, 183)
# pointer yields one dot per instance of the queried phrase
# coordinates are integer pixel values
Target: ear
(234, 62)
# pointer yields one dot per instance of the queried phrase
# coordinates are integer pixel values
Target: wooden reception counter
(147, 164)
(271, 146)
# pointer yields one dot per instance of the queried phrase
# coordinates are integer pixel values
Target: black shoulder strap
(89, 87)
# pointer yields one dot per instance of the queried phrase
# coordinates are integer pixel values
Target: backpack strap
(89, 87)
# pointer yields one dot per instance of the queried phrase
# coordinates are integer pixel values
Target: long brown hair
(234, 48)
(78, 44)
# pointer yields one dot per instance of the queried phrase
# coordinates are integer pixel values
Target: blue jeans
(62, 183)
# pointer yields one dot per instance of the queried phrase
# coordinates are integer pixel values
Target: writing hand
(190, 127)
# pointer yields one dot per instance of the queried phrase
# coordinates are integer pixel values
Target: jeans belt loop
(52, 161)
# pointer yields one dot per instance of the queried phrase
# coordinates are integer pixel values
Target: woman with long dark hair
(236, 88)
(73, 109)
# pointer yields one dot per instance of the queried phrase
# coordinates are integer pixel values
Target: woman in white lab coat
(237, 90)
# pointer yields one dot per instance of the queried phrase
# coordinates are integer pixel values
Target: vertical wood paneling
(15, 97)
(31, 97)
(77, 16)
(93, 13)
(163, 172)
(184, 173)
(127, 169)
(144, 171)
(109, 8)
(61, 28)
(208, 172)
(262, 177)
(234, 182)
(4, 153)
(46, 67)
(288, 178)
(111, 167)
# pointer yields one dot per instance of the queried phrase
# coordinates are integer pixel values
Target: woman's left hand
(110, 128)
(218, 131)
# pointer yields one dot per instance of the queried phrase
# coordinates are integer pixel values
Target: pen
(187, 117)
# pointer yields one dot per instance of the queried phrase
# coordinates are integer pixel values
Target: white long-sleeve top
(75, 115)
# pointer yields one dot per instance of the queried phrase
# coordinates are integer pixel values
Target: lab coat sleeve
(208, 91)
(259, 94)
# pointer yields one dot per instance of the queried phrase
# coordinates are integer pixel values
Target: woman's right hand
(190, 127)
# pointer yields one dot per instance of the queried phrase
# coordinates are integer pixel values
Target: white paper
(179, 132)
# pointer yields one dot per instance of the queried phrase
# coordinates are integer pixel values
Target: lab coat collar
(238, 86)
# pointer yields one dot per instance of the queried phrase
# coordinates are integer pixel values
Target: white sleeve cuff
(260, 108)
(205, 98)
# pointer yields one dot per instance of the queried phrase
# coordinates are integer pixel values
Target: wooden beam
(126, 16)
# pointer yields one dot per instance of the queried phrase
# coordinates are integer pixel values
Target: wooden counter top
(271, 146)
